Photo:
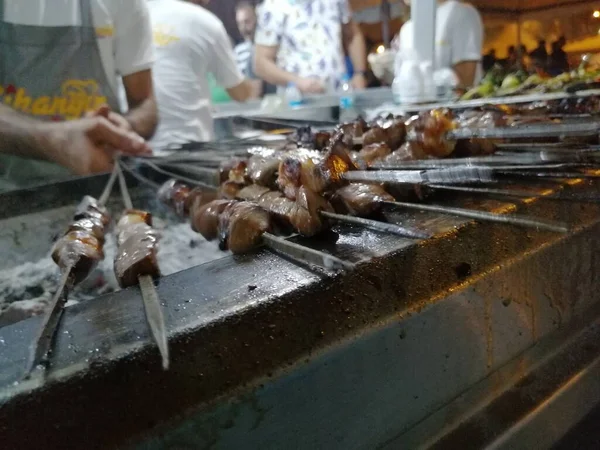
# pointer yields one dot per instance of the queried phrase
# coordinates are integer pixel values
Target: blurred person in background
(510, 63)
(302, 42)
(191, 43)
(245, 17)
(539, 55)
(63, 62)
(458, 42)
(558, 61)
(489, 60)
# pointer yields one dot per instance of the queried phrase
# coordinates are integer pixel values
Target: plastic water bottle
(293, 95)
(347, 104)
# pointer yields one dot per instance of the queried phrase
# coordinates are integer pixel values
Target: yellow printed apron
(50, 73)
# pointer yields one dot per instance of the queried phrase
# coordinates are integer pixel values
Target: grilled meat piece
(360, 199)
(241, 226)
(429, 128)
(409, 151)
(288, 177)
(128, 221)
(305, 137)
(370, 154)
(321, 139)
(396, 133)
(91, 225)
(137, 248)
(302, 215)
(479, 119)
(90, 208)
(262, 168)
(351, 130)
(337, 158)
(80, 250)
(181, 197)
(229, 190)
(375, 135)
(205, 218)
(233, 169)
(174, 194)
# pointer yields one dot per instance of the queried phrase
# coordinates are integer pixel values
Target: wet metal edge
(232, 321)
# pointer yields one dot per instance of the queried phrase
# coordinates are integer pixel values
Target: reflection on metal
(511, 219)
(42, 345)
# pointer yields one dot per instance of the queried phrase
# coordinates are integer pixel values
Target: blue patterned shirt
(308, 34)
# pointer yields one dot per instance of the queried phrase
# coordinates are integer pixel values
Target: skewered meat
(302, 214)
(229, 190)
(409, 151)
(233, 169)
(478, 119)
(241, 226)
(375, 135)
(181, 197)
(137, 247)
(90, 208)
(263, 167)
(338, 159)
(205, 219)
(91, 224)
(360, 199)
(294, 173)
(307, 138)
(396, 133)
(81, 248)
(370, 154)
(429, 128)
(349, 131)
(321, 139)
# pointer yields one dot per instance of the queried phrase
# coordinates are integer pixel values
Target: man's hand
(310, 86)
(115, 118)
(88, 145)
(359, 81)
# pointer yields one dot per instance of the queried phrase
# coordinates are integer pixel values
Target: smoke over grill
(28, 276)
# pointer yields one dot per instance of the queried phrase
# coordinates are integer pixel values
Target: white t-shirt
(458, 36)
(122, 28)
(190, 42)
(308, 34)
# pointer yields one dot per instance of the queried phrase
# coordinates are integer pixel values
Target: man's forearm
(465, 72)
(21, 135)
(143, 117)
(269, 72)
(357, 49)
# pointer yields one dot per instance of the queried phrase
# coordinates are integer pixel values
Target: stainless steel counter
(456, 339)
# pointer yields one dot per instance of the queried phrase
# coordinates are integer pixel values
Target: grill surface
(237, 319)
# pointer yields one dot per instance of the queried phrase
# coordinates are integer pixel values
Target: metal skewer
(42, 344)
(529, 174)
(182, 178)
(488, 216)
(554, 147)
(140, 178)
(559, 130)
(542, 160)
(377, 225)
(514, 193)
(305, 254)
(152, 308)
(452, 175)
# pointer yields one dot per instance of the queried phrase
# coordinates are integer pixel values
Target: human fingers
(102, 131)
